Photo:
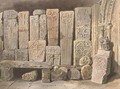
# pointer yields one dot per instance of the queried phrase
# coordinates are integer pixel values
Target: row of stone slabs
(45, 26)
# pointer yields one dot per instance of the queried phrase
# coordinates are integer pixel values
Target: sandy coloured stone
(23, 20)
(74, 74)
(30, 76)
(21, 54)
(95, 28)
(1, 43)
(66, 36)
(1, 24)
(82, 23)
(101, 67)
(86, 72)
(37, 50)
(10, 14)
(38, 12)
(23, 39)
(10, 34)
(43, 27)
(7, 74)
(85, 61)
(81, 48)
(46, 75)
(34, 28)
(8, 55)
(53, 26)
(53, 55)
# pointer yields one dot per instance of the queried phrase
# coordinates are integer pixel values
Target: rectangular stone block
(23, 20)
(46, 75)
(66, 36)
(1, 43)
(8, 55)
(10, 34)
(10, 14)
(82, 23)
(1, 24)
(53, 26)
(37, 50)
(95, 29)
(38, 12)
(81, 48)
(101, 67)
(34, 28)
(21, 54)
(53, 55)
(23, 39)
(43, 27)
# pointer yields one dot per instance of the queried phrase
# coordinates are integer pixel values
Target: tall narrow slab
(34, 28)
(1, 24)
(53, 55)
(53, 26)
(10, 34)
(66, 36)
(43, 27)
(37, 50)
(95, 29)
(82, 23)
(1, 43)
(81, 48)
(23, 19)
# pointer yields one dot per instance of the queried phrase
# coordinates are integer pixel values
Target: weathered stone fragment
(52, 26)
(1, 24)
(86, 72)
(53, 55)
(23, 19)
(30, 76)
(38, 12)
(7, 73)
(95, 28)
(1, 44)
(66, 36)
(10, 14)
(81, 48)
(8, 55)
(101, 67)
(21, 54)
(85, 61)
(74, 74)
(37, 50)
(59, 73)
(10, 34)
(23, 39)
(43, 27)
(82, 23)
(34, 28)
(46, 75)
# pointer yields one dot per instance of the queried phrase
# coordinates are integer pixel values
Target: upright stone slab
(82, 23)
(43, 27)
(37, 50)
(95, 29)
(10, 34)
(53, 55)
(81, 48)
(10, 14)
(1, 24)
(34, 28)
(21, 54)
(53, 26)
(8, 55)
(23, 19)
(101, 67)
(66, 36)
(38, 12)
(1, 43)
